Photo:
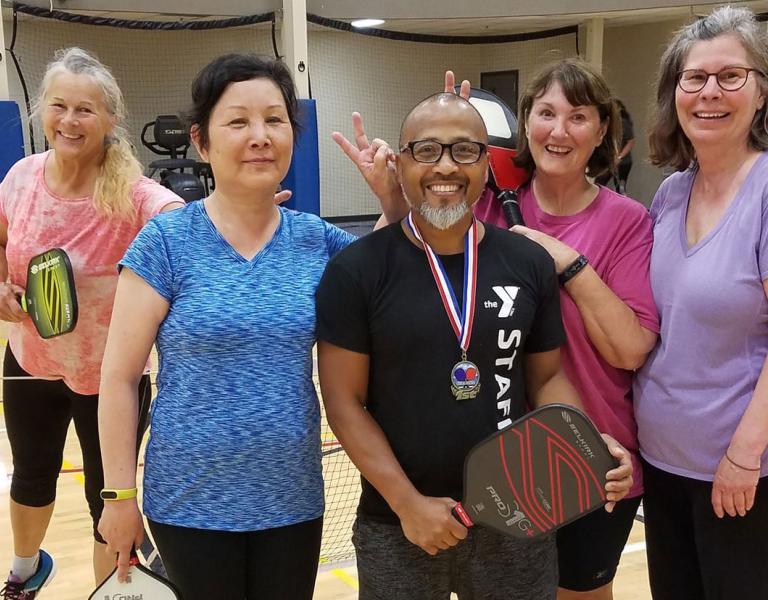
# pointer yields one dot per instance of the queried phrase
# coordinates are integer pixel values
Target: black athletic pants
(37, 416)
(693, 555)
(272, 564)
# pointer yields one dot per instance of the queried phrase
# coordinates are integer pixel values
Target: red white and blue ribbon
(461, 317)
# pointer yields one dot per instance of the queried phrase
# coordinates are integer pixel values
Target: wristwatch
(115, 494)
(573, 269)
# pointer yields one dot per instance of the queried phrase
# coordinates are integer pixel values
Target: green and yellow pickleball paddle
(50, 298)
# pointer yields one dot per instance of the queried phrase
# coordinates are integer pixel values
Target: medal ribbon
(461, 321)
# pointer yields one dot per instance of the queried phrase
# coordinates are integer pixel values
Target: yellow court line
(350, 580)
(65, 464)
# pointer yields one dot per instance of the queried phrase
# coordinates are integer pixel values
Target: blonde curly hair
(120, 168)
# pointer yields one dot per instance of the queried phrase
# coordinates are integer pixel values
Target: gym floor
(69, 536)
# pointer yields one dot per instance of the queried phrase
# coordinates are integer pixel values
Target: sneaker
(13, 589)
(27, 590)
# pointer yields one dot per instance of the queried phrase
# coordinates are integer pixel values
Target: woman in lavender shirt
(701, 400)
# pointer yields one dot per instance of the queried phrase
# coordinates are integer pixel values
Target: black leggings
(694, 555)
(273, 564)
(37, 416)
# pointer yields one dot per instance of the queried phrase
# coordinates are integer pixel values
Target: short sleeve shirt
(614, 233)
(39, 220)
(378, 297)
(696, 384)
(235, 437)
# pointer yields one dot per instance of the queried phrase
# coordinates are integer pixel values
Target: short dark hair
(668, 143)
(582, 86)
(216, 76)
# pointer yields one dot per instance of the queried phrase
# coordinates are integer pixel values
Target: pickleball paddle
(142, 584)
(504, 177)
(540, 473)
(50, 298)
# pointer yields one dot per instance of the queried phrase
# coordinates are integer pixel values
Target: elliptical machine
(187, 178)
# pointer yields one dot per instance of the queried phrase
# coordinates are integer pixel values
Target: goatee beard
(443, 217)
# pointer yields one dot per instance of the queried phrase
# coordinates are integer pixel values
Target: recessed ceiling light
(361, 23)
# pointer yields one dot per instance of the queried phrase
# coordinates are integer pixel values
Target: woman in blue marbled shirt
(233, 487)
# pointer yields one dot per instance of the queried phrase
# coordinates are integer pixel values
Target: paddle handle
(461, 515)
(511, 208)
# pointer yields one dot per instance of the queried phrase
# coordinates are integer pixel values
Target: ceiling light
(361, 23)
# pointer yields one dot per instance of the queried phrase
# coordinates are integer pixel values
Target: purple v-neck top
(696, 384)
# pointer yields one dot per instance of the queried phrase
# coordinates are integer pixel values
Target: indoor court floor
(69, 539)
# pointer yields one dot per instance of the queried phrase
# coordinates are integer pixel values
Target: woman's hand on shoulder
(561, 253)
(10, 307)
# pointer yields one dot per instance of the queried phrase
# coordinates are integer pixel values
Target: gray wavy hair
(669, 145)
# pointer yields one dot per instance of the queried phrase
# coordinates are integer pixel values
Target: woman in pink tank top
(87, 196)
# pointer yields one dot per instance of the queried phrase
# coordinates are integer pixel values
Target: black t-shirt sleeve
(547, 331)
(342, 316)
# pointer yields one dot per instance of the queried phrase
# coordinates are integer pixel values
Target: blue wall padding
(11, 136)
(303, 178)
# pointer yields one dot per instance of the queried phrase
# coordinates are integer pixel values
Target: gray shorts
(484, 566)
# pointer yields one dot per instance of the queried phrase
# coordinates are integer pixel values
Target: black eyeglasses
(430, 151)
(729, 79)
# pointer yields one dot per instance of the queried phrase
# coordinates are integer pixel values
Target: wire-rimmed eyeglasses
(729, 79)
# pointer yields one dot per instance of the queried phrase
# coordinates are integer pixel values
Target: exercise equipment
(187, 178)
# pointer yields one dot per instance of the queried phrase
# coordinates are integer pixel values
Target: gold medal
(465, 379)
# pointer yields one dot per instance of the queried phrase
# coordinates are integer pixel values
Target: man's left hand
(618, 480)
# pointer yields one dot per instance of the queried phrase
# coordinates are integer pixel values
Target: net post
(294, 34)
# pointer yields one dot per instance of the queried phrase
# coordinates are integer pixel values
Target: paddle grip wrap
(511, 208)
(461, 515)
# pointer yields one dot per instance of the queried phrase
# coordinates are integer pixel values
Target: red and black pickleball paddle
(543, 471)
(142, 584)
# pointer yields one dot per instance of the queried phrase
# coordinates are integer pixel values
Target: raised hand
(450, 82)
(375, 161)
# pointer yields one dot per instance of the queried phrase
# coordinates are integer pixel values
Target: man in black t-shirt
(435, 333)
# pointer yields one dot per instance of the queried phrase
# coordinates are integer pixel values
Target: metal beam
(594, 31)
(5, 63)
(294, 35)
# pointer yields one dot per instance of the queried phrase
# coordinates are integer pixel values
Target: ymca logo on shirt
(507, 295)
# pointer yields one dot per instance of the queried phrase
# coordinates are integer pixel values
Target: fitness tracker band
(115, 494)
